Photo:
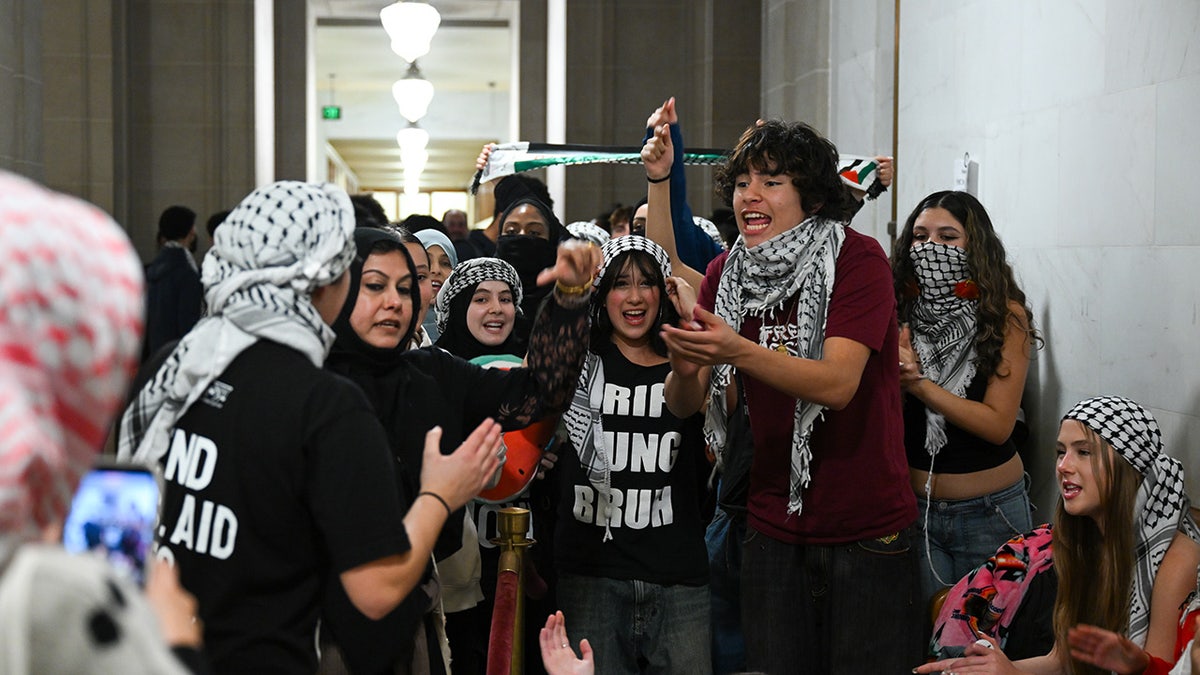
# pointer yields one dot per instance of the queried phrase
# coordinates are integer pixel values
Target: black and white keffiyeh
(943, 327)
(613, 248)
(710, 228)
(759, 280)
(588, 231)
(1162, 503)
(282, 242)
(470, 274)
(583, 420)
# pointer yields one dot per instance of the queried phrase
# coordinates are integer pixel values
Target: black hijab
(375, 646)
(530, 255)
(372, 368)
(457, 338)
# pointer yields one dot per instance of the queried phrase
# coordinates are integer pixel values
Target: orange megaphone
(525, 448)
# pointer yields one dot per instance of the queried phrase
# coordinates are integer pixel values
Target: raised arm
(557, 345)
(447, 483)
(658, 159)
(556, 354)
(696, 248)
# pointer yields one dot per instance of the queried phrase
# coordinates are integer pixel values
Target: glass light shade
(412, 182)
(413, 160)
(412, 138)
(413, 94)
(411, 26)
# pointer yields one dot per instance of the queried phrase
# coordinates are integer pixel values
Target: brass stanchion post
(513, 523)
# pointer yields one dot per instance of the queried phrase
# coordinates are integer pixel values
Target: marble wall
(829, 63)
(621, 66)
(21, 88)
(1080, 114)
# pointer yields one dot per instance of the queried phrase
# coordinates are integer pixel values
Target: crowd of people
(725, 471)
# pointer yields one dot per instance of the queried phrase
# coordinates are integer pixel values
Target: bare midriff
(954, 486)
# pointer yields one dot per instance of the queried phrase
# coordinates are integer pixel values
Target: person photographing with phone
(277, 472)
(70, 328)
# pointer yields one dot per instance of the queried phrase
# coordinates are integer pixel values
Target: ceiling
(470, 65)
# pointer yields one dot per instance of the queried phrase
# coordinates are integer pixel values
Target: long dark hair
(602, 329)
(990, 271)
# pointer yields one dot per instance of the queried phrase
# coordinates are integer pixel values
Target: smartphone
(113, 515)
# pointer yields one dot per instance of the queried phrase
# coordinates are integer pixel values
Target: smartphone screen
(113, 515)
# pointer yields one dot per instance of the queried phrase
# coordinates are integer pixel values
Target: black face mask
(529, 255)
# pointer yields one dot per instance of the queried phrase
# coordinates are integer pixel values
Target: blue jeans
(724, 540)
(964, 533)
(629, 623)
(845, 608)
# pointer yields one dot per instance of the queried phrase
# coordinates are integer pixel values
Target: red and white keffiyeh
(71, 311)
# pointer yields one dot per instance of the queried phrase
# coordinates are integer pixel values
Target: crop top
(964, 452)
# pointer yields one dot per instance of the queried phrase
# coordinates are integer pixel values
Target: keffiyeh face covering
(759, 280)
(943, 328)
(281, 243)
(470, 274)
(583, 419)
(70, 326)
(1162, 502)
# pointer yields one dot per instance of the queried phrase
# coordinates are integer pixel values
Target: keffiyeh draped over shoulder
(763, 279)
(1162, 503)
(583, 419)
(282, 242)
(70, 326)
(944, 327)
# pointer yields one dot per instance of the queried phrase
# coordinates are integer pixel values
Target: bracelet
(572, 290)
(657, 180)
(438, 497)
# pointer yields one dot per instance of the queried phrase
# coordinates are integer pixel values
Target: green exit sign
(331, 112)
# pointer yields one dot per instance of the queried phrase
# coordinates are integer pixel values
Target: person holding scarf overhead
(801, 308)
(964, 351)
(258, 444)
(1123, 540)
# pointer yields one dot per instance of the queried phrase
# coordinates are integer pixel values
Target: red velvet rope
(500, 643)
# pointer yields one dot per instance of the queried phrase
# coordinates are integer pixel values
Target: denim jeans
(636, 626)
(724, 540)
(964, 533)
(838, 609)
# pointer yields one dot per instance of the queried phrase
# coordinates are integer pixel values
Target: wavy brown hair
(988, 262)
(1095, 568)
(795, 149)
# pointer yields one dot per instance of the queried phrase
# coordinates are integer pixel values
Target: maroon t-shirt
(859, 487)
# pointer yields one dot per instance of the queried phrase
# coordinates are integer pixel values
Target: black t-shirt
(279, 474)
(964, 452)
(657, 531)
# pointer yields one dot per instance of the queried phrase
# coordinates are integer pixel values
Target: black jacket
(174, 297)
